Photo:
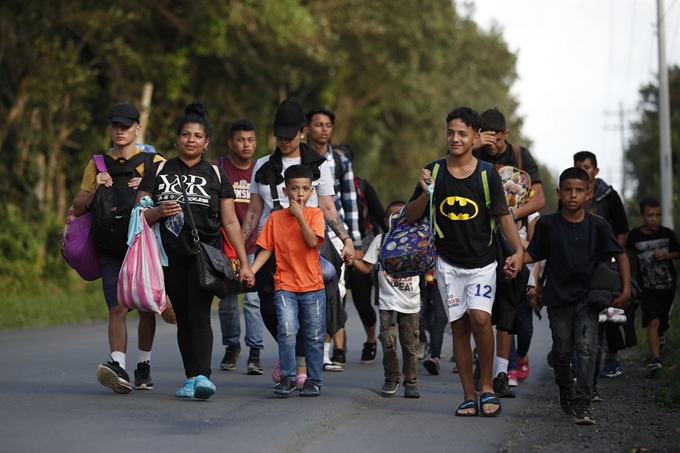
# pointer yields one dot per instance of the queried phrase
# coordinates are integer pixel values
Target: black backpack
(112, 206)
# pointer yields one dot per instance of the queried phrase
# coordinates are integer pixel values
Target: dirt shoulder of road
(628, 420)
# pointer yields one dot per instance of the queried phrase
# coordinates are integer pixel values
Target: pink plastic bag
(140, 283)
(78, 247)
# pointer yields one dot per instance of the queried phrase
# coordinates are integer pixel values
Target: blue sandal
(489, 398)
(468, 404)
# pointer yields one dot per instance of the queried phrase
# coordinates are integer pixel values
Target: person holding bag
(184, 228)
(107, 195)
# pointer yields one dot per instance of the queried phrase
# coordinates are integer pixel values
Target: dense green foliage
(390, 69)
(643, 152)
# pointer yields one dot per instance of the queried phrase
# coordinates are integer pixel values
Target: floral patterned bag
(408, 248)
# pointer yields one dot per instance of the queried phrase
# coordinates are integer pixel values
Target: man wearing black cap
(124, 127)
(266, 195)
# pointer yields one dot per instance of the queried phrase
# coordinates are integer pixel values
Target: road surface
(51, 401)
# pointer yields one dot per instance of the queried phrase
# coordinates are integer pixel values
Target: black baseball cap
(124, 113)
(290, 117)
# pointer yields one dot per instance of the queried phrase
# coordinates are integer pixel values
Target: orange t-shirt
(297, 266)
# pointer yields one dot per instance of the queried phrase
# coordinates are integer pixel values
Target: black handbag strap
(275, 194)
(194, 230)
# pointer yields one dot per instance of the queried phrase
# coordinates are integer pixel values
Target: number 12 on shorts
(483, 291)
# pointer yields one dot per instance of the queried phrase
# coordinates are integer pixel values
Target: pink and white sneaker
(523, 369)
(512, 378)
(300, 380)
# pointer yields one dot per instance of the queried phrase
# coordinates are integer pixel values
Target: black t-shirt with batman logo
(462, 216)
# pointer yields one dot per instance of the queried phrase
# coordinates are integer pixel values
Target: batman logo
(461, 208)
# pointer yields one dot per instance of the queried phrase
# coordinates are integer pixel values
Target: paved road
(51, 401)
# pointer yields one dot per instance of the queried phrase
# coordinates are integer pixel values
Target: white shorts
(465, 289)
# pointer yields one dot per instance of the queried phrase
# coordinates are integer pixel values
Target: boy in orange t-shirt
(294, 235)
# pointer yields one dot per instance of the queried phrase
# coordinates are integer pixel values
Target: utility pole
(623, 154)
(621, 114)
(665, 156)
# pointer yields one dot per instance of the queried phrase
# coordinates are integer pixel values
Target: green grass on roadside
(21, 312)
(668, 392)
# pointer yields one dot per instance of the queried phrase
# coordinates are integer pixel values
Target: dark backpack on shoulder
(112, 206)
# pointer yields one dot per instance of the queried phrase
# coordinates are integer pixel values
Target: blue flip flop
(489, 398)
(468, 404)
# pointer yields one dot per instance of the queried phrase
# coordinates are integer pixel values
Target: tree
(642, 155)
(391, 70)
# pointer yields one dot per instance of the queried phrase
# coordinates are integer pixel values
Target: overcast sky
(578, 60)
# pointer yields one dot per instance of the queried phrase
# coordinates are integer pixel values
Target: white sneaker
(422, 350)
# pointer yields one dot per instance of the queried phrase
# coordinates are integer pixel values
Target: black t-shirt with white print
(652, 273)
(461, 215)
(204, 190)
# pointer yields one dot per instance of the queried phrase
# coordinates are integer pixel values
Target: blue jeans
(574, 329)
(230, 321)
(311, 306)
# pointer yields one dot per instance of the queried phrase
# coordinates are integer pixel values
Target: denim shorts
(110, 266)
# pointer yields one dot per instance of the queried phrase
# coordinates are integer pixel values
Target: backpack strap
(518, 155)
(217, 171)
(140, 158)
(339, 169)
(161, 164)
(435, 175)
(100, 163)
(484, 168)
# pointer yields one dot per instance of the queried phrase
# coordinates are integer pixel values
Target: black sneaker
(597, 398)
(254, 366)
(231, 355)
(389, 388)
(655, 364)
(285, 387)
(501, 387)
(411, 391)
(368, 353)
(431, 364)
(566, 399)
(111, 375)
(338, 357)
(582, 415)
(310, 388)
(143, 379)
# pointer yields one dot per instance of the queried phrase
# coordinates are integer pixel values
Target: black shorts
(657, 305)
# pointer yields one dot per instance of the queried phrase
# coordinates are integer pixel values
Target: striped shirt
(345, 197)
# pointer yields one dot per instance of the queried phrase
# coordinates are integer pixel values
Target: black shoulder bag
(213, 264)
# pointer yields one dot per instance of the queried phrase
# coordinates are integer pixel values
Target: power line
(611, 52)
(630, 45)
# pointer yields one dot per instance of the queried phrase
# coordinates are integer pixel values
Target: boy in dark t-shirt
(466, 257)
(656, 247)
(239, 167)
(572, 241)
(524, 194)
(609, 206)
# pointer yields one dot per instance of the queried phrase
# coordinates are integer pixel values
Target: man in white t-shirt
(399, 311)
(266, 195)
